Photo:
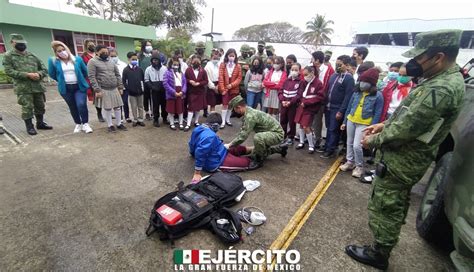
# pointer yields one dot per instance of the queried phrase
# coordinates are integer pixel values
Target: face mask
(414, 69)
(269, 53)
(308, 78)
(245, 55)
(288, 67)
(175, 67)
(260, 50)
(327, 58)
(294, 74)
(276, 66)
(134, 62)
(231, 59)
(114, 59)
(392, 75)
(268, 66)
(63, 54)
(196, 65)
(403, 79)
(148, 48)
(91, 48)
(365, 86)
(155, 64)
(20, 47)
(200, 51)
(104, 56)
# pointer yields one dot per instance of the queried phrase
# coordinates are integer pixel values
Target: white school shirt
(212, 74)
(178, 77)
(196, 73)
(230, 68)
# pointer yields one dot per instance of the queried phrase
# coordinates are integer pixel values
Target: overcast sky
(230, 15)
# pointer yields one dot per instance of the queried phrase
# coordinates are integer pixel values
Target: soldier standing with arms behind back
(244, 61)
(409, 140)
(27, 71)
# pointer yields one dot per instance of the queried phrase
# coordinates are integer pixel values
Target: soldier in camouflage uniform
(409, 140)
(27, 71)
(268, 132)
(260, 52)
(244, 61)
(200, 52)
(270, 50)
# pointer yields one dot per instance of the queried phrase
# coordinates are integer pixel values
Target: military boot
(40, 124)
(370, 255)
(30, 129)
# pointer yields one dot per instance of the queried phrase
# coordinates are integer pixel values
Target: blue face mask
(392, 76)
(134, 62)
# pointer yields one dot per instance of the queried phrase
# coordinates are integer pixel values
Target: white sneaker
(347, 166)
(357, 172)
(78, 128)
(86, 128)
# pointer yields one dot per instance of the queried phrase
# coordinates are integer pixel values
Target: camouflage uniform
(406, 154)
(245, 64)
(204, 58)
(30, 93)
(262, 56)
(268, 132)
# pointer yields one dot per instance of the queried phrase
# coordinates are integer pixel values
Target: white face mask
(276, 66)
(114, 59)
(63, 54)
(231, 59)
(364, 86)
(308, 78)
(148, 48)
(294, 74)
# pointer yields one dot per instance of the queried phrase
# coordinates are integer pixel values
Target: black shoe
(229, 124)
(254, 165)
(283, 149)
(135, 124)
(30, 129)
(367, 178)
(299, 146)
(111, 129)
(141, 124)
(321, 149)
(40, 124)
(122, 127)
(186, 128)
(129, 120)
(368, 255)
(311, 150)
(327, 155)
(156, 124)
(147, 117)
(196, 124)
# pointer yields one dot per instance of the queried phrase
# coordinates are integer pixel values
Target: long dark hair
(259, 68)
(281, 61)
(143, 45)
(170, 63)
(230, 51)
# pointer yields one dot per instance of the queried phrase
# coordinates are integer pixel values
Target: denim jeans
(333, 130)
(253, 99)
(354, 147)
(77, 103)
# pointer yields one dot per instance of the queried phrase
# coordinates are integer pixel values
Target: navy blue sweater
(340, 89)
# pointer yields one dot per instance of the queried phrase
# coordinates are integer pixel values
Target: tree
(319, 30)
(272, 32)
(172, 13)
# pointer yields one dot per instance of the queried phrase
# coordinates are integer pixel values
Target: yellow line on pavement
(289, 233)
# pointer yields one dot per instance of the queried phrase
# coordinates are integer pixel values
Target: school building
(41, 26)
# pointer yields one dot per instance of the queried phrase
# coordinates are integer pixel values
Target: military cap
(200, 45)
(235, 101)
(253, 50)
(328, 53)
(437, 38)
(17, 38)
(261, 43)
(245, 48)
(269, 47)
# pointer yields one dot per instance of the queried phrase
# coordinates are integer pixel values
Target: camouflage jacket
(245, 64)
(262, 56)
(204, 59)
(256, 121)
(410, 138)
(17, 65)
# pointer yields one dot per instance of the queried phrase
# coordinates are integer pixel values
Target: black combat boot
(29, 127)
(40, 124)
(254, 164)
(99, 114)
(369, 255)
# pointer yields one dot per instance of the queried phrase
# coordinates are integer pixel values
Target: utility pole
(212, 25)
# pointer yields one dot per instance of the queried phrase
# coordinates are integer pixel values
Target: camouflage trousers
(388, 208)
(32, 103)
(265, 144)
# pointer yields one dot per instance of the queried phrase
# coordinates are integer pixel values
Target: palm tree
(319, 30)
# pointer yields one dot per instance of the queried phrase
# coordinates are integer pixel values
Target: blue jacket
(372, 107)
(207, 149)
(340, 89)
(55, 71)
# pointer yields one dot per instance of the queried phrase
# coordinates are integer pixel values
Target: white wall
(379, 54)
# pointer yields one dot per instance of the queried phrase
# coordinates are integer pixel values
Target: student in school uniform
(230, 75)
(132, 78)
(273, 83)
(288, 96)
(196, 78)
(213, 97)
(175, 86)
(310, 98)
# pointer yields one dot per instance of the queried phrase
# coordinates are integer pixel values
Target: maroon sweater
(201, 79)
(314, 97)
(289, 91)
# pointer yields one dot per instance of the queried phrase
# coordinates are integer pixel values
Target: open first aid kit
(200, 206)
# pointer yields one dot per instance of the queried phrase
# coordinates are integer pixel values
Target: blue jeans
(76, 100)
(354, 147)
(253, 99)
(333, 130)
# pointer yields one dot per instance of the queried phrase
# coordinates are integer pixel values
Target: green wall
(39, 41)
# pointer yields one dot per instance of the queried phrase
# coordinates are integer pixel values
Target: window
(3, 49)
(80, 37)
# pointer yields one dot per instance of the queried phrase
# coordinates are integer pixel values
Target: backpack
(199, 206)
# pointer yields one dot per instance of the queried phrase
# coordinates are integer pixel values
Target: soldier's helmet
(245, 48)
(200, 45)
